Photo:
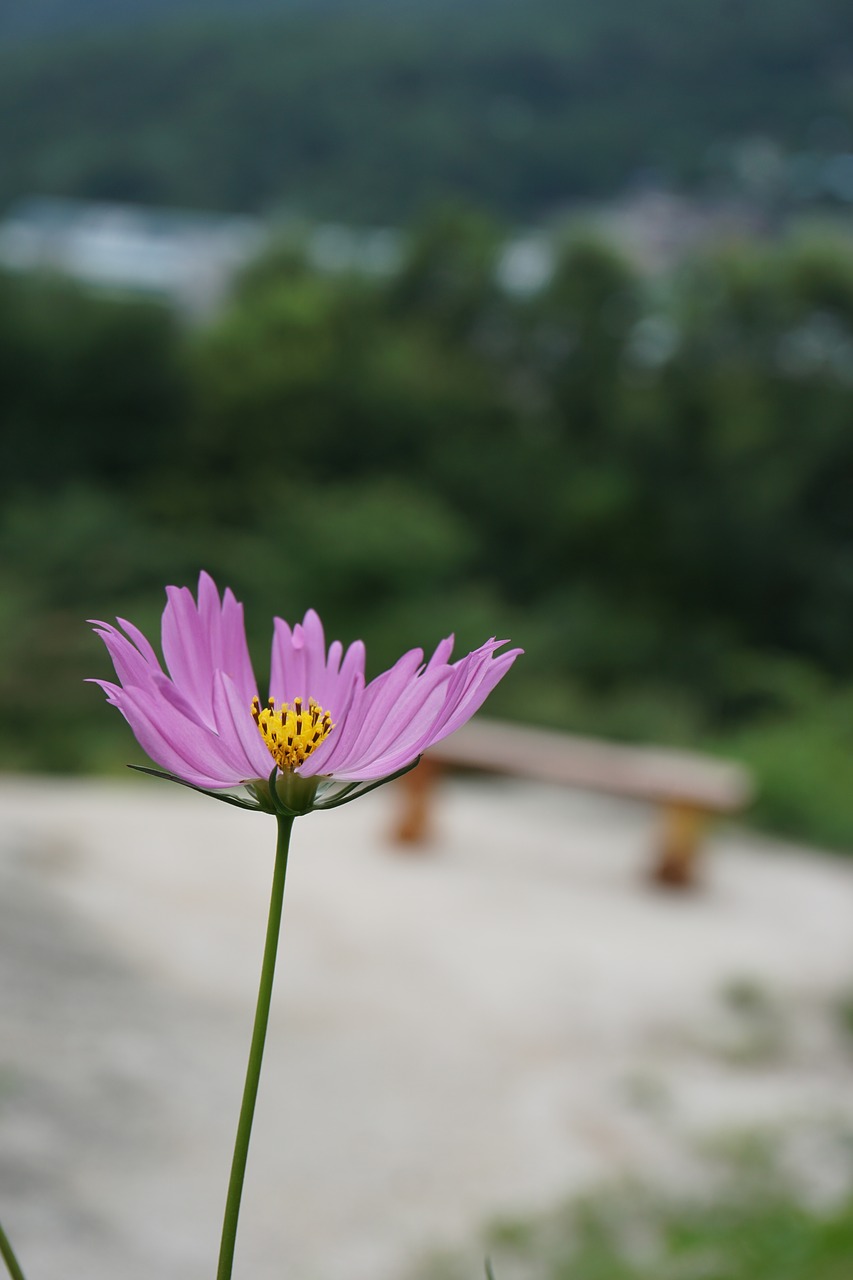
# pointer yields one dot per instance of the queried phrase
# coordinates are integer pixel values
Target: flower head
(324, 734)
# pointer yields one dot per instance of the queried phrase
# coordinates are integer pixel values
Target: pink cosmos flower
(323, 736)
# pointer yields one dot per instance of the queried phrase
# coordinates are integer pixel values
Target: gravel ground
(478, 1029)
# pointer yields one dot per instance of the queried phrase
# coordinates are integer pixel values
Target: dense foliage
(378, 111)
(644, 483)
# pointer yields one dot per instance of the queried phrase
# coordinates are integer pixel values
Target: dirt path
(478, 1030)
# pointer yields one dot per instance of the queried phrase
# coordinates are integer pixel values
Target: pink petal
(236, 662)
(407, 709)
(186, 648)
(141, 642)
(200, 639)
(412, 725)
(132, 666)
(236, 725)
(300, 667)
(369, 710)
(177, 745)
(443, 650)
(474, 678)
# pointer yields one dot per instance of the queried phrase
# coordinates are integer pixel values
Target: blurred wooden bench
(689, 789)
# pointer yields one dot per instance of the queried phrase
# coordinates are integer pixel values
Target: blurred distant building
(188, 259)
(656, 228)
(526, 264)
(191, 259)
(653, 228)
(334, 248)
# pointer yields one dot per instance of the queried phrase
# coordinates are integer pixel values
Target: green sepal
(268, 794)
(268, 798)
(214, 795)
(356, 789)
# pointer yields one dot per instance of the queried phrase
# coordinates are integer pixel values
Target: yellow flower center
(292, 733)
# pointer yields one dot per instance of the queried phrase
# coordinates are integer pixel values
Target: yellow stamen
(292, 733)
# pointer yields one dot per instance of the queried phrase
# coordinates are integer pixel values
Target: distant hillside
(367, 111)
(43, 18)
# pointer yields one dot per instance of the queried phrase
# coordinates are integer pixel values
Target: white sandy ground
(476, 1030)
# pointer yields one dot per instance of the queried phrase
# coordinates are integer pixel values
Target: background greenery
(643, 481)
(378, 110)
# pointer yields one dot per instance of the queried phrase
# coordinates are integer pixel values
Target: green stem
(256, 1055)
(8, 1256)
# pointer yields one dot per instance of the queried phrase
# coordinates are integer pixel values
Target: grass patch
(752, 1226)
(626, 1236)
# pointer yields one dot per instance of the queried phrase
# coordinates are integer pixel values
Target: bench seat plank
(687, 787)
(645, 773)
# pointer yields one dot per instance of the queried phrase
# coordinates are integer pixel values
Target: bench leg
(415, 791)
(683, 828)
